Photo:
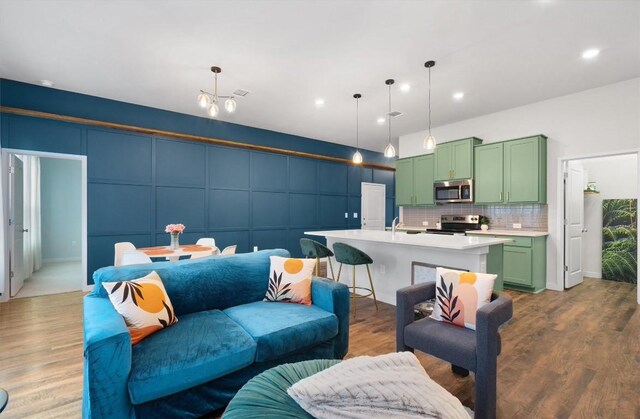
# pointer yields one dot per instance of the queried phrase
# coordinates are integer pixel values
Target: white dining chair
(229, 250)
(203, 254)
(120, 248)
(134, 258)
(206, 241)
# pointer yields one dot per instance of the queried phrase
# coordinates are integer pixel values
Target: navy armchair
(466, 349)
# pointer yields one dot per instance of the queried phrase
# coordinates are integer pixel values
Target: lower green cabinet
(524, 263)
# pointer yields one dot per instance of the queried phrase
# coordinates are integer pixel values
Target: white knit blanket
(386, 386)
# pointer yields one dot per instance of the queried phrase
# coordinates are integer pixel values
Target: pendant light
(390, 150)
(357, 157)
(429, 141)
(209, 101)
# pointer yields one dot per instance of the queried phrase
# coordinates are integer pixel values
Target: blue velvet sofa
(225, 335)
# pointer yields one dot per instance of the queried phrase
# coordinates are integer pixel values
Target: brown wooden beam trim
(170, 134)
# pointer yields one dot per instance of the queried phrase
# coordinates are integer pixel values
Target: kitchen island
(395, 254)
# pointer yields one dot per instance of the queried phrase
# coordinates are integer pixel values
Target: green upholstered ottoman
(265, 395)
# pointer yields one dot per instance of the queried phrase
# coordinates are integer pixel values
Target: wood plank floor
(565, 354)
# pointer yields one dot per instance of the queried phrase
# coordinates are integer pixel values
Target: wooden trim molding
(171, 134)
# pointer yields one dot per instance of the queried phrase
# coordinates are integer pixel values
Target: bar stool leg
(317, 265)
(333, 275)
(373, 291)
(339, 270)
(353, 297)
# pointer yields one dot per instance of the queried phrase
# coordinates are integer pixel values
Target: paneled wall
(139, 183)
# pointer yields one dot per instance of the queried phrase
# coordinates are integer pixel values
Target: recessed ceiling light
(405, 87)
(458, 95)
(380, 121)
(47, 83)
(590, 53)
(319, 102)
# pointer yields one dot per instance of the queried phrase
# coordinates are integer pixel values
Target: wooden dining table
(174, 255)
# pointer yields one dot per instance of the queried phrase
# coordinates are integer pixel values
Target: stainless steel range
(456, 224)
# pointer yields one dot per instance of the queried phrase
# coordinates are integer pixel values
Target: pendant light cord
(357, 124)
(389, 114)
(429, 101)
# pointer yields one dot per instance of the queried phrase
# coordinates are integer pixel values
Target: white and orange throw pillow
(143, 303)
(460, 294)
(290, 280)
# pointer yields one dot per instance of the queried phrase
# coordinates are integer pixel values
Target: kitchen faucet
(394, 225)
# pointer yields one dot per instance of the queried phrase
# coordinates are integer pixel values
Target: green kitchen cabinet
(414, 181)
(404, 182)
(525, 170)
(511, 172)
(524, 262)
(454, 159)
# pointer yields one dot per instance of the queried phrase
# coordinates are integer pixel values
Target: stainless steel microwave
(453, 191)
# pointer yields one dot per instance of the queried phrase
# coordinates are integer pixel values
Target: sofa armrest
(334, 297)
(406, 298)
(107, 361)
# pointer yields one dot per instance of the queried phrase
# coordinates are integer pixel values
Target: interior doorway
(373, 206)
(47, 223)
(600, 219)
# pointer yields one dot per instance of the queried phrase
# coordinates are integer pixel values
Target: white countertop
(438, 241)
(518, 233)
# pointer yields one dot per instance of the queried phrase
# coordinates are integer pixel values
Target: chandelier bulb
(213, 110)
(390, 151)
(429, 142)
(357, 157)
(204, 100)
(230, 105)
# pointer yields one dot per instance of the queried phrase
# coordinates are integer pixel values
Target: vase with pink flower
(174, 230)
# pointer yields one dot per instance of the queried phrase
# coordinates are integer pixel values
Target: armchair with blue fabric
(225, 335)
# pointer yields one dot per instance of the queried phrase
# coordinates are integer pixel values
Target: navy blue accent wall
(139, 183)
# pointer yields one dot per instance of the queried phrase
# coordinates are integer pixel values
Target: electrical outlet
(346, 215)
(425, 223)
(383, 269)
(517, 225)
(355, 215)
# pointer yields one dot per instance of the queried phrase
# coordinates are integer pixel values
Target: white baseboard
(53, 260)
(87, 288)
(597, 275)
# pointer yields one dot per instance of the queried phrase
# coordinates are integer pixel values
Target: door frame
(4, 280)
(560, 215)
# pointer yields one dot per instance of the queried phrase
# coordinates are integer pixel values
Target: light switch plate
(425, 223)
(355, 215)
(517, 225)
(346, 215)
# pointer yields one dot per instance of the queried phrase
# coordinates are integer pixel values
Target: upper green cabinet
(414, 181)
(511, 172)
(454, 159)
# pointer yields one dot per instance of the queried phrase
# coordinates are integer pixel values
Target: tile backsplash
(501, 217)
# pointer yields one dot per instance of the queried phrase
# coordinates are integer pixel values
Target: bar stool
(349, 255)
(313, 249)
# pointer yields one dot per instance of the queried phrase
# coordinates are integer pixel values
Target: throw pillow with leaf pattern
(290, 280)
(460, 294)
(143, 303)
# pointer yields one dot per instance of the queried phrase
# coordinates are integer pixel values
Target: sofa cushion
(202, 284)
(280, 329)
(201, 347)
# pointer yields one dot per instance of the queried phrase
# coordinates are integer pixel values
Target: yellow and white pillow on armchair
(459, 295)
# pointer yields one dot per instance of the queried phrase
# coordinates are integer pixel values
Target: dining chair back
(134, 258)
(120, 248)
(207, 241)
(229, 250)
(203, 254)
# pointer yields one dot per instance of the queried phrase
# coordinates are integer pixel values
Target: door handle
(500, 196)
(25, 230)
(507, 196)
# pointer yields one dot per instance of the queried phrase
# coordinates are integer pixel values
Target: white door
(373, 206)
(574, 223)
(16, 230)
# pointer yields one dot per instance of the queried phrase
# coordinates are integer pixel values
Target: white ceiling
(502, 54)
